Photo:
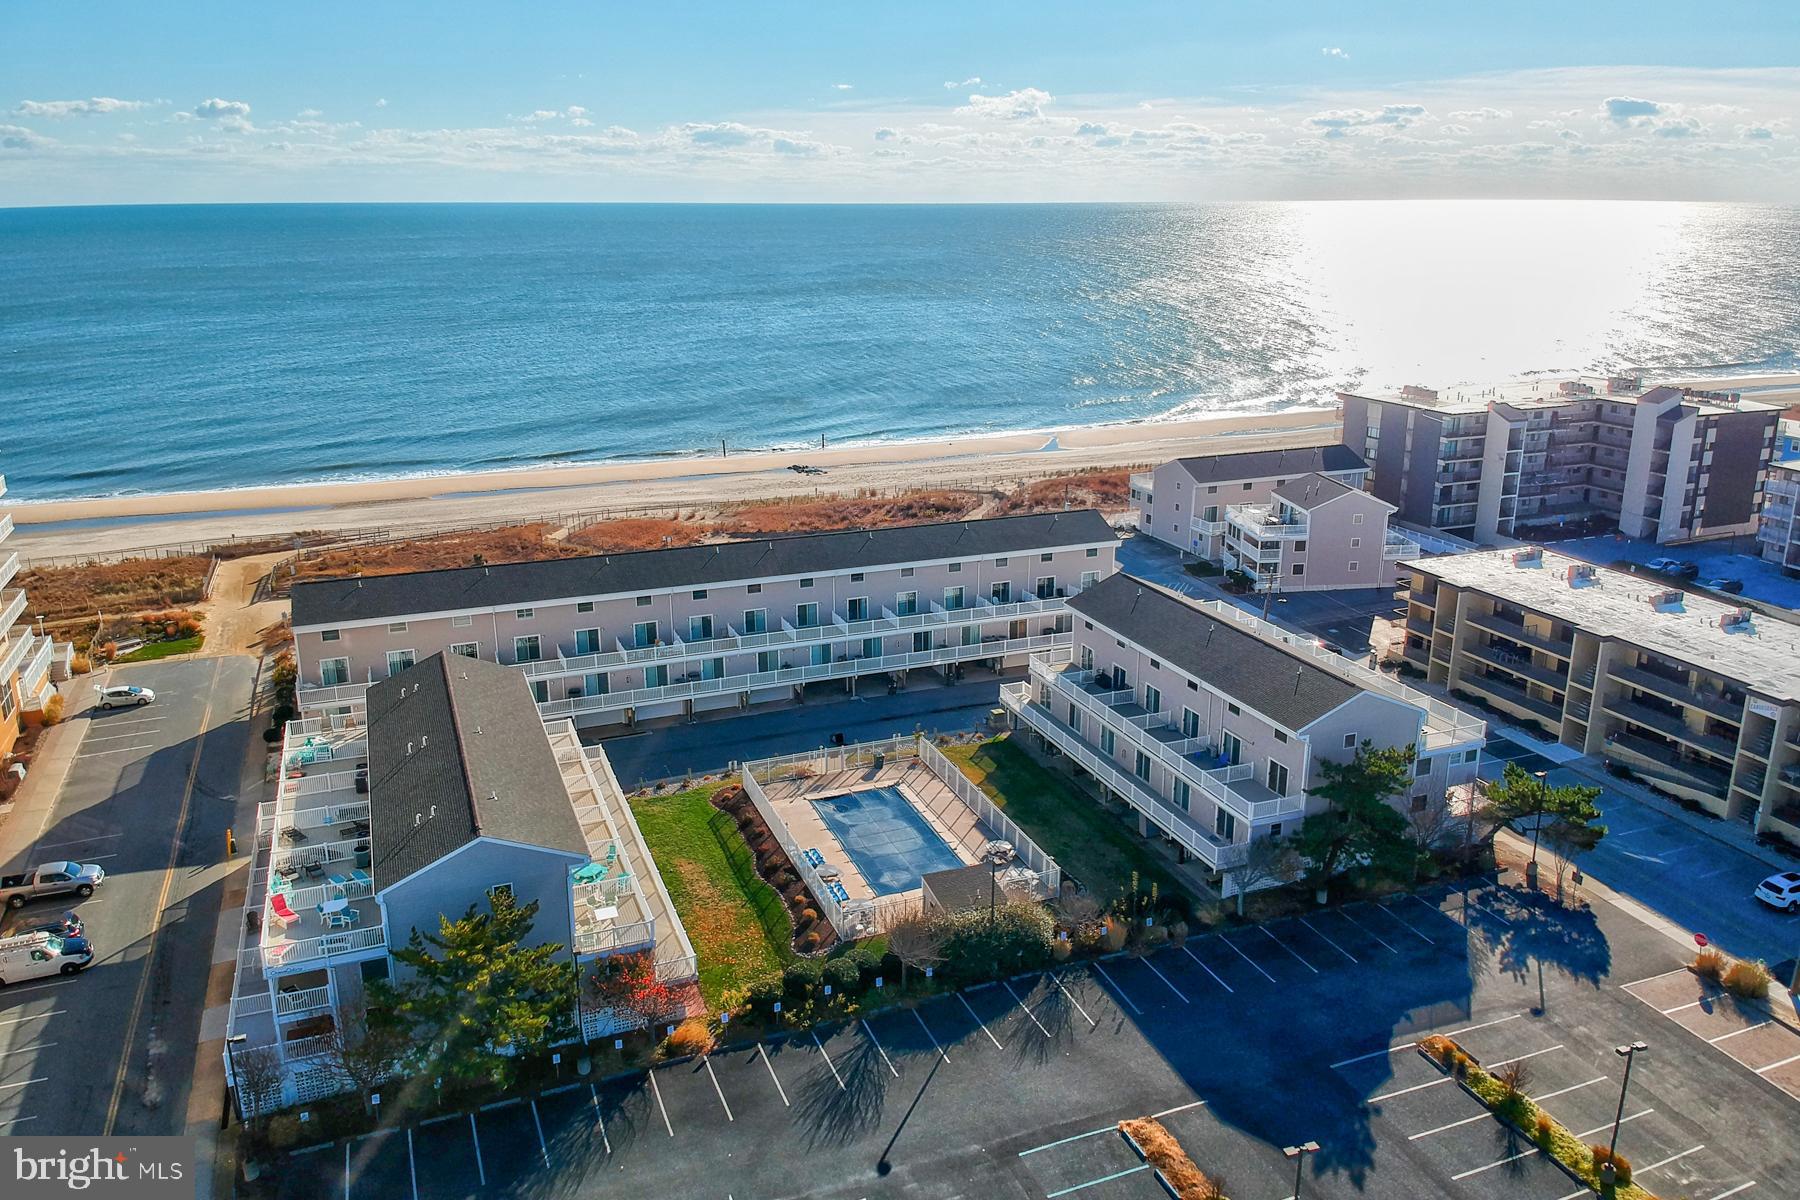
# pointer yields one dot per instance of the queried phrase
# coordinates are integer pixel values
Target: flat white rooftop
(1762, 652)
(1541, 393)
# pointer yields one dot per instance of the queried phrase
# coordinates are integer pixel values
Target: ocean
(153, 349)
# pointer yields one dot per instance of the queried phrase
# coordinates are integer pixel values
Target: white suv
(1781, 891)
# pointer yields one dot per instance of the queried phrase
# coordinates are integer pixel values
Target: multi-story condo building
(1778, 533)
(1667, 464)
(444, 788)
(1212, 724)
(1186, 502)
(25, 657)
(1699, 698)
(1316, 532)
(626, 637)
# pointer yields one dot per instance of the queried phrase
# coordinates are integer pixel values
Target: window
(700, 628)
(768, 660)
(756, 620)
(1275, 830)
(806, 615)
(467, 649)
(1152, 698)
(1300, 546)
(1234, 748)
(1183, 795)
(526, 649)
(921, 641)
(1418, 802)
(1349, 741)
(856, 577)
(1001, 592)
(856, 608)
(1109, 741)
(1074, 717)
(1046, 587)
(806, 581)
(1422, 768)
(1190, 723)
(906, 572)
(1232, 709)
(999, 562)
(499, 890)
(329, 635)
(524, 614)
(587, 641)
(1224, 824)
(1300, 568)
(1248, 486)
(1192, 686)
(1472, 755)
(657, 676)
(1142, 766)
(1352, 566)
(1093, 552)
(461, 621)
(1356, 519)
(1212, 490)
(596, 684)
(956, 568)
(398, 661)
(871, 647)
(1356, 543)
(397, 627)
(1089, 578)
(643, 602)
(1045, 557)
(644, 634)
(1278, 778)
(906, 603)
(953, 598)
(754, 588)
(332, 672)
(698, 594)
(1280, 736)
(585, 606)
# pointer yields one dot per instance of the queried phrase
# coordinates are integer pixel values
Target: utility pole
(1537, 824)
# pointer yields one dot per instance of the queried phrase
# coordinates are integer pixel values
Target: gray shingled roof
(1310, 491)
(340, 601)
(1272, 464)
(457, 751)
(1277, 683)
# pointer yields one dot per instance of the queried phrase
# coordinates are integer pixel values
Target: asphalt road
(1242, 1043)
(111, 1050)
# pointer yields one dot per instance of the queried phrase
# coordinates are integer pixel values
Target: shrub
(1544, 1129)
(1178, 931)
(1708, 964)
(1747, 980)
(1166, 1154)
(844, 976)
(81, 664)
(281, 1132)
(977, 947)
(1514, 1077)
(1060, 951)
(1112, 935)
(810, 916)
(53, 709)
(762, 996)
(690, 1037)
(809, 941)
(1438, 1047)
(1460, 1063)
(801, 977)
(1621, 1164)
(1152, 936)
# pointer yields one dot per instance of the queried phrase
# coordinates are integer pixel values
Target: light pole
(1537, 824)
(237, 1092)
(1607, 1171)
(1298, 1154)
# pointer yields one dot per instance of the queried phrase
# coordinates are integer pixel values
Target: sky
(1131, 100)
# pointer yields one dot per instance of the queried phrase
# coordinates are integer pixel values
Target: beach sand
(423, 504)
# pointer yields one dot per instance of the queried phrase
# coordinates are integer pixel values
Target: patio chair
(338, 883)
(362, 879)
(281, 911)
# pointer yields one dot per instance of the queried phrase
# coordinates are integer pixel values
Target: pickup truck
(50, 879)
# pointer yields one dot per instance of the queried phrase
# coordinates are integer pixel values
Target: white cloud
(216, 109)
(1756, 133)
(1453, 130)
(1338, 122)
(94, 106)
(842, 87)
(1023, 104)
(1091, 129)
(1627, 110)
(885, 134)
(1334, 52)
(381, 103)
(309, 114)
(971, 81)
(1480, 114)
(1677, 127)
(17, 137)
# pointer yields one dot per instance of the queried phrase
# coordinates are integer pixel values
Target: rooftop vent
(1413, 391)
(1574, 387)
(1664, 598)
(1581, 573)
(1533, 557)
(1736, 618)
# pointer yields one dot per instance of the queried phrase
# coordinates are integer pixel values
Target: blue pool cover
(887, 838)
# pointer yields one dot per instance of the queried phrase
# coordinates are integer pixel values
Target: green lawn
(155, 650)
(1095, 846)
(737, 923)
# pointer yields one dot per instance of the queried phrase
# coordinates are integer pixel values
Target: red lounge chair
(283, 912)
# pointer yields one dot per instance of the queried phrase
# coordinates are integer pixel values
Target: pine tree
(1360, 826)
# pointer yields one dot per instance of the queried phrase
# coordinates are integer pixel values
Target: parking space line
(1742, 1187)
(828, 1062)
(989, 1032)
(1419, 1087)
(1574, 1087)
(120, 750)
(1784, 1062)
(1481, 1116)
(347, 1165)
(1684, 1007)
(1326, 940)
(1389, 910)
(98, 837)
(1103, 1179)
(412, 1164)
(543, 1147)
(1654, 978)
(705, 1061)
(1367, 930)
(24, 1083)
(1587, 1133)
(111, 737)
(1247, 959)
(599, 1121)
(1115, 986)
(1345, 1062)
(920, 1024)
(1289, 949)
(1208, 970)
(1636, 1171)
(1511, 1158)
(1076, 1137)
(663, 1109)
(23, 1049)
(474, 1136)
(884, 1054)
(1746, 1029)
(15, 1121)
(1179, 1108)
(764, 1051)
(1023, 1008)
(1165, 979)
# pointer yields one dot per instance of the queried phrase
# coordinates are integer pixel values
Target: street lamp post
(1607, 1171)
(1298, 1154)
(1537, 824)
(237, 1092)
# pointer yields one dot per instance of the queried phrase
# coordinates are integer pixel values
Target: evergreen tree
(1360, 826)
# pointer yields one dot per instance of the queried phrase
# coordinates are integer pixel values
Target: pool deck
(949, 817)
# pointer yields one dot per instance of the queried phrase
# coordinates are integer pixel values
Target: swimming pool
(887, 839)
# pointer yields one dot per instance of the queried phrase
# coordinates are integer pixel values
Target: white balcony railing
(1016, 698)
(1396, 547)
(1264, 522)
(288, 1004)
(14, 649)
(12, 607)
(6, 526)
(9, 567)
(349, 941)
(37, 666)
(1172, 754)
(1206, 528)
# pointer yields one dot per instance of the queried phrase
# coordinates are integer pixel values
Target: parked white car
(123, 696)
(1781, 890)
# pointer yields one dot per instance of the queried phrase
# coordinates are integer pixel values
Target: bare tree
(364, 1052)
(917, 943)
(1268, 860)
(1080, 912)
(258, 1079)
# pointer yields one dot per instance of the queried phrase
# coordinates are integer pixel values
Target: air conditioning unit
(1665, 598)
(1736, 618)
(1531, 557)
(1581, 573)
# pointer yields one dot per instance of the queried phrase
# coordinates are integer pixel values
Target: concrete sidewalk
(33, 806)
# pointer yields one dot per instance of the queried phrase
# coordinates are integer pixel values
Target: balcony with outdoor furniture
(1666, 764)
(1515, 629)
(1511, 694)
(1514, 660)
(1716, 703)
(1670, 725)
(1266, 522)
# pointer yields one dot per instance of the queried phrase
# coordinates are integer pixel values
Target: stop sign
(1700, 940)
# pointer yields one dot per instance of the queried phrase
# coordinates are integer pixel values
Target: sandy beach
(117, 523)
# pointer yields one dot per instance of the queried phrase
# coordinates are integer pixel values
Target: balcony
(12, 607)
(6, 526)
(1264, 522)
(14, 649)
(1670, 725)
(1186, 832)
(1716, 703)
(1515, 663)
(1516, 631)
(9, 567)
(1514, 695)
(1201, 528)
(1396, 546)
(1664, 763)
(1235, 786)
(1143, 485)
(35, 670)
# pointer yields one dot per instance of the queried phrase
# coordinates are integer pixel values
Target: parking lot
(1243, 1042)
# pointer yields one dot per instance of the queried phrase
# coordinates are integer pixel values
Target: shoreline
(108, 524)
